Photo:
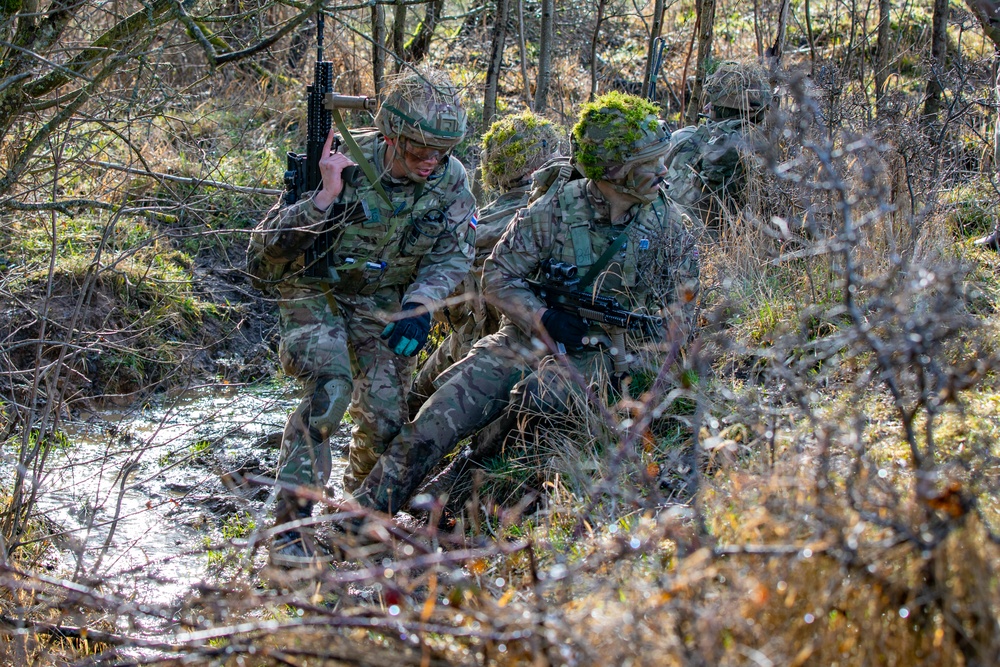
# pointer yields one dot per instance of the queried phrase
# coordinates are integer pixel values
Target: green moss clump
(608, 129)
(515, 146)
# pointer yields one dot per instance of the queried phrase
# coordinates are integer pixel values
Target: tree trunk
(418, 47)
(706, 26)
(988, 13)
(593, 49)
(939, 52)
(882, 55)
(496, 62)
(648, 75)
(399, 33)
(523, 53)
(807, 10)
(545, 56)
(378, 48)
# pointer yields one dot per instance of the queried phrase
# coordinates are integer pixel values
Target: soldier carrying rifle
(618, 230)
(359, 264)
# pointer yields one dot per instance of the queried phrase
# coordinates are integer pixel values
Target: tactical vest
(383, 247)
(493, 220)
(581, 243)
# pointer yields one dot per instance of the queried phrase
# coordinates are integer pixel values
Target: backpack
(556, 172)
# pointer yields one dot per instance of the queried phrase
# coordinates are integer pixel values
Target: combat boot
(295, 547)
(991, 241)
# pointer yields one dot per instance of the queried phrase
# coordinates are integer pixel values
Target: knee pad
(327, 405)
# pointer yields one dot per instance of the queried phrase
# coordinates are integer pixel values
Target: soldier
(620, 230)
(513, 148)
(366, 266)
(705, 164)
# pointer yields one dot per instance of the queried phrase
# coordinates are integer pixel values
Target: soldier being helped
(619, 231)
(513, 147)
(360, 267)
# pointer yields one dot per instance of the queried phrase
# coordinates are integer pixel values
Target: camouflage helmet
(741, 85)
(616, 131)
(423, 106)
(515, 146)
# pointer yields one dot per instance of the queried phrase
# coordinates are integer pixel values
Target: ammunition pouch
(321, 260)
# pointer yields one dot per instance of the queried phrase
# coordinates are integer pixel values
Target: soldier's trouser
(339, 358)
(478, 388)
(451, 350)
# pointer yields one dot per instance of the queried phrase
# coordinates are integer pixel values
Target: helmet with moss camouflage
(423, 106)
(515, 146)
(616, 131)
(740, 85)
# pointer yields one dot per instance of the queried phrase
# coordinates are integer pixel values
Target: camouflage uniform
(655, 272)
(471, 319)
(708, 164)
(335, 302)
(513, 148)
(705, 166)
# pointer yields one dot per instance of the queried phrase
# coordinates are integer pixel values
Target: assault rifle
(561, 290)
(303, 173)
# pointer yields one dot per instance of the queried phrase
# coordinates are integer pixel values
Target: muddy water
(139, 496)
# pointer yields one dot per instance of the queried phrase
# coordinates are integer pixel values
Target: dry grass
(819, 488)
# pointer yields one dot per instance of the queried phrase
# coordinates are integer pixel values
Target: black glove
(407, 335)
(565, 328)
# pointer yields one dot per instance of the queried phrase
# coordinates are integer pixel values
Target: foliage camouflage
(515, 146)
(614, 130)
(423, 106)
(741, 85)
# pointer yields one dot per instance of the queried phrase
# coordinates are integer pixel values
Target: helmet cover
(515, 146)
(616, 131)
(741, 85)
(423, 106)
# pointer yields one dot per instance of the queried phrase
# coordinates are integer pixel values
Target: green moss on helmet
(515, 146)
(613, 130)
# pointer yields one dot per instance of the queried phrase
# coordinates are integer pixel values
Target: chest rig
(380, 244)
(583, 244)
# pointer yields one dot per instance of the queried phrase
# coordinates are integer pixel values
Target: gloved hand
(407, 335)
(565, 328)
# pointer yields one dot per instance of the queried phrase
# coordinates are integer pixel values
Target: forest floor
(822, 490)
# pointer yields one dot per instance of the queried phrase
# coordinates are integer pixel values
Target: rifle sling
(359, 157)
(603, 260)
(369, 172)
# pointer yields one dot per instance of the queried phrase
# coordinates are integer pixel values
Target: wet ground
(153, 503)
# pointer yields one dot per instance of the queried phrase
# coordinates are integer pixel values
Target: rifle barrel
(356, 102)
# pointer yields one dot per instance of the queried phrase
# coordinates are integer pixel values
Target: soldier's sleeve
(450, 258)
(287, 231)
(515, 259)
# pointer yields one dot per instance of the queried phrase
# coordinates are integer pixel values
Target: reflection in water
(137, 496)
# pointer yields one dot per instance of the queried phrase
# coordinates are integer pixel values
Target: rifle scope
(560, 271)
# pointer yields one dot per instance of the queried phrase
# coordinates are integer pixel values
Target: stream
(149, 502)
